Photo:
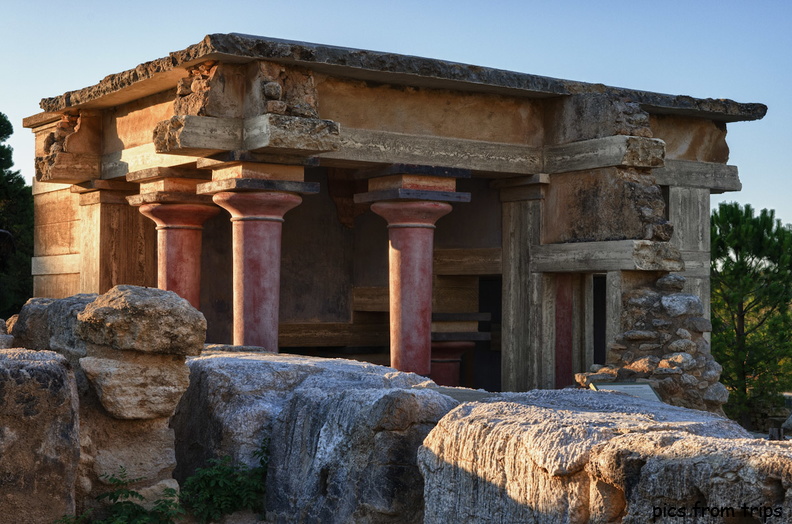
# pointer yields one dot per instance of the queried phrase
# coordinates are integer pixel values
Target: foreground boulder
(343, 435)
(39, 436)
(584, 456)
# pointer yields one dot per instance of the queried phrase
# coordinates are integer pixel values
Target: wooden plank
(55, 265)
(718, 178)
(520, 354)
(455, 294)
(612, 151)
(613, 307)
(583, 257)
(384, 147)
(370, 299)
(332, 334)
(689, 212)
(478, 261)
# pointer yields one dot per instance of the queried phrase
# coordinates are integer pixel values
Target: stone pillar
(179, 231)
(167, 196)
(257, 220)
(257, 195)
(116, 243)
(411, 238)
(411, 198)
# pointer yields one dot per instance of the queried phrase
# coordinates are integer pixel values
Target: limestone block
(673, 283)
(143, 319)
(682, 304)
(143, 447)
(147, 388)
(62, 323)
(656, 471)
(350, 455)
(31, 329)
(39, 436)
(233, 399)
(575, 456)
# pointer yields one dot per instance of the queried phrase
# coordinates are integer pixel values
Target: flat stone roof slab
(374, 66)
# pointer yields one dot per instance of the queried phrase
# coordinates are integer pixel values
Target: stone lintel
(612, 151)
(272, 133)
(411, 169)
(257, 184)
(158, 173)
(365, 146)
(68, 168)
(618, 255)
(269, 133)
(168, 197)
(102, 185)
(410, 194)
(40, 119)
(718, 178)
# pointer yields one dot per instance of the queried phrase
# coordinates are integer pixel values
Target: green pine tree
(16, 218)
(751, 294)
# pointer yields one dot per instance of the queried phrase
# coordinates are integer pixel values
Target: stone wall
(127, 350)
(664, 344)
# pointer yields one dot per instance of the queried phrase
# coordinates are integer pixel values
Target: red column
(179, 229)
(411, 233)
(257, 219)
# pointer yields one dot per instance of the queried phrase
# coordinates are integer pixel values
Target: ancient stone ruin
(461, 223)
(348, 441)
(271, 177)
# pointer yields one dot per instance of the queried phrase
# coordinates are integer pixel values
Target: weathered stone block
(350, 455)
(146, 388)
(233, 399)
(31, 329)
(143, 319)
(582, 456)
(39, 440)
(681, 304)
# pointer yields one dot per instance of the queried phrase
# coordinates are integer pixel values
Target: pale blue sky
(707, 49)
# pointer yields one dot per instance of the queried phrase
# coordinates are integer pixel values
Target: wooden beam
(619, 255)
(612, 151)
(480, 261)
(365, 146)
(718, 178)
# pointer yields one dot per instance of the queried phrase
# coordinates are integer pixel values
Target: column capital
(264, 205)
(179, 215)
(411, 213)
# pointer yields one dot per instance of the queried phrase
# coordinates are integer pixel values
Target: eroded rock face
(31, 328)
(133, 318)
(343, 434)
(350, 455)
(140, 389)
(584, 456)
(39, 436)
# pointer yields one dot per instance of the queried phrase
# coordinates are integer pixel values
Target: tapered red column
(257, 219)
(179, 229)
(411, 234)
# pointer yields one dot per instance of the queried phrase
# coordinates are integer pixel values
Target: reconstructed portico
(312, 196)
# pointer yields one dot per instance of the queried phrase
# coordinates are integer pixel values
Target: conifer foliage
(751, 294)
(16, 230)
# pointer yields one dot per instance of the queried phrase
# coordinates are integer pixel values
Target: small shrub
(225, 487)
